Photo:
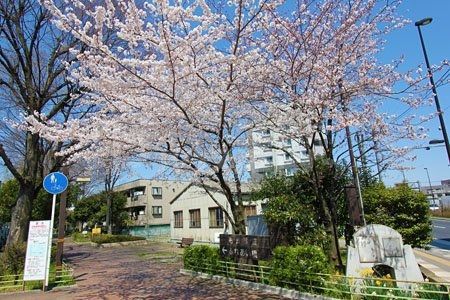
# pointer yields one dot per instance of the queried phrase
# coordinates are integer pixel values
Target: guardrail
(15, 282)
(331, 285)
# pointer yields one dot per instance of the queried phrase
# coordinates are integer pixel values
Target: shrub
(202, 258)
(13, 258)
(110, 238)
(295, 266)
(401, 208)
(80, 237)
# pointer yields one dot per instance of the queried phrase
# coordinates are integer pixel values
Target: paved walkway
(135, 272)
(435, 260)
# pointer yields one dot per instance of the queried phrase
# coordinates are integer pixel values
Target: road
(441, 234)
(437, 259)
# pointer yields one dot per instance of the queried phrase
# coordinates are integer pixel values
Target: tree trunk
(21, 215)
(239, 219)
(108, 212)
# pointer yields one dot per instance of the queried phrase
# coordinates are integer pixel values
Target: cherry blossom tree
(328, 81)
(180, 91)
(189, 79)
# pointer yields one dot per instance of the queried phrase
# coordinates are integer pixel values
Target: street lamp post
(420, 23)
(429, 183)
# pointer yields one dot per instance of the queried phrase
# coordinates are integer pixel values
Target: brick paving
(136, 272)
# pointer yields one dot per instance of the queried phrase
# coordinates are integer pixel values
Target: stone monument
(379, 245)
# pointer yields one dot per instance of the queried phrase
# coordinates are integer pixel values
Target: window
(266, 132)
(137, 191)
(288, 143)
(178, 216)
(287, 156)
(194, 218)
(215, 217)
(249, 210)
(156, 191)
(289, 172)
(268, 160)
(157, 211)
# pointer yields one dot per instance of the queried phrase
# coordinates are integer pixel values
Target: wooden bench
(185, 242)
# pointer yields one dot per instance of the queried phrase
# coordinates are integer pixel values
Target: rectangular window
(249, 210)
(287, 156)
(289, 172)
(194, 218)
(156, 191)
(178, 216)
(157, 211)
(268, 160)
(288, 143)
(215, 217)
(266, 132)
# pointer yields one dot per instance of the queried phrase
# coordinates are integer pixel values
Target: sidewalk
(436, 261)
(150, 271)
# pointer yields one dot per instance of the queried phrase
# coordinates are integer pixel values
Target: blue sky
(437, 40)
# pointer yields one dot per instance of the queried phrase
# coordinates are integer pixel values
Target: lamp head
(423, 22)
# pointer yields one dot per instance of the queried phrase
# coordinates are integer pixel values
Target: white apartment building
(265, 158)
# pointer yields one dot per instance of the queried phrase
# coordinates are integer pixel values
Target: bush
(110, 238)
(202, 258)
(13, 258)
(401, 208)
(80, 237)
(295, 266)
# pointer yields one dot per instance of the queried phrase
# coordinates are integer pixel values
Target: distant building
(194, 214)
(266, 156)
(437, 191)
(148, 205)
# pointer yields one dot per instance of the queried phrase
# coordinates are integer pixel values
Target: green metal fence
(331, 285)
(15, 282)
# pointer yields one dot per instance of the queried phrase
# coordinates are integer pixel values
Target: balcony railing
(140, 200)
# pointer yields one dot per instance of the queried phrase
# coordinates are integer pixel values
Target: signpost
(54, 183)
(37, 247)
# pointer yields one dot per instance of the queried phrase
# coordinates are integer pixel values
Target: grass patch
(441, 214)
(79, 237)
(104, 238)
(14, 282)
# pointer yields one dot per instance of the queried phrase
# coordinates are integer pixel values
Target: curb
(440, 218)
(279, 291)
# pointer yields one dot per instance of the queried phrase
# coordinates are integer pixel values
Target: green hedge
(202, 258)
(293, 266)
(111, 238)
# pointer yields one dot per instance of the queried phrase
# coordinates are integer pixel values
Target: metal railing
(15, 282)
(331, 285)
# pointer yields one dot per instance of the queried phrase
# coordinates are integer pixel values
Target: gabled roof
(215, 187)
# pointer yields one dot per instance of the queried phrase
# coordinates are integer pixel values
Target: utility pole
(377, 158)
(429, 183)
(355, 172)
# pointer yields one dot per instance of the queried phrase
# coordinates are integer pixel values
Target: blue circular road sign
(55, 183)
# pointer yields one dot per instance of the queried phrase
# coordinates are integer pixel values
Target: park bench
(185, 242)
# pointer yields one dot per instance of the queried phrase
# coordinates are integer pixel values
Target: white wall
(196, 198)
